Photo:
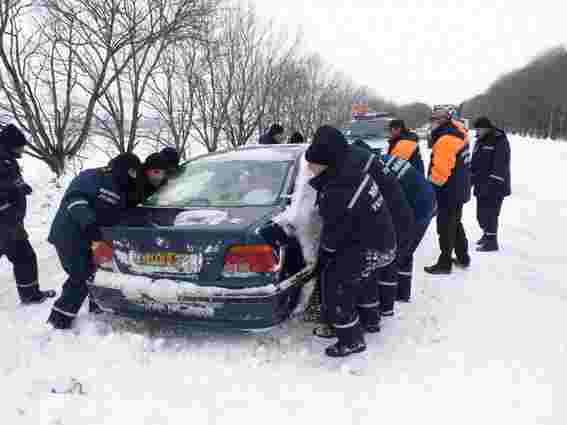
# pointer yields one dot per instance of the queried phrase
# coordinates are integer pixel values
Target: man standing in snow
(14, 242)
(350, 203)
(450, 175)
(404, 144)
(95, 198)
(274, 135)
(490, 167)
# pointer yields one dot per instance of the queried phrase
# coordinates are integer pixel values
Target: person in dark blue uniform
(350, 203)
(14, 242)
(154, 174)
(490, 167)
(172, 158)
(95, 198)
(402, 214)
(404, 144)
(421, 198)
(274, 135)
(296, 138)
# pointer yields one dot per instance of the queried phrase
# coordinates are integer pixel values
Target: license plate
(166, 262)
(160, 259)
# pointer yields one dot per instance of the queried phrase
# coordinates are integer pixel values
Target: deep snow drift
(485, 345)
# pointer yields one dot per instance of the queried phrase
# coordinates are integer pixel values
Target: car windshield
(224, 183)
(366, 129)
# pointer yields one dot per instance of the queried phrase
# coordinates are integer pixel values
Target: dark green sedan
(191, 254)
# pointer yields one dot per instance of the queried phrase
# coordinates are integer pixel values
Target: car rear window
(364, 129)
(224, 183)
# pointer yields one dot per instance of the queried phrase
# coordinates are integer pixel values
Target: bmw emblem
(162, 243)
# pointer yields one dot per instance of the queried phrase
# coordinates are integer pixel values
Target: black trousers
(349, 293)
(15, 245)
(452, 236)
(77, 261)
(405, 261)
(488, 213)
(387, 278)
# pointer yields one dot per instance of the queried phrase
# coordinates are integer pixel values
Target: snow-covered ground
(487, 345)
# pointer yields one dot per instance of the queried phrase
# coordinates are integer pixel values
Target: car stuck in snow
(191, 253)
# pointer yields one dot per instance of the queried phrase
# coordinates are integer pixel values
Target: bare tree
(123, 103)
(259, 57)
(172, 96)
(86, 45)
(215, 84)
(39, 81)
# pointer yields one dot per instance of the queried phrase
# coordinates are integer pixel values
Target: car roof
(279, 152)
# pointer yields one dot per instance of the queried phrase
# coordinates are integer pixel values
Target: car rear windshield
(365, 129)
(223, 183)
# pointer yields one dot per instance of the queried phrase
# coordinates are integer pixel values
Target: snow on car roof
(258, 153)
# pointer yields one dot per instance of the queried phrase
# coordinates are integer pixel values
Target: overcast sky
(435, 51)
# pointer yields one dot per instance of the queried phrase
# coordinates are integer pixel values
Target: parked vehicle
(191, 253)
(372, 129)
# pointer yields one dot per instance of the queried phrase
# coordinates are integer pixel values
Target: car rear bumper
(187, 304)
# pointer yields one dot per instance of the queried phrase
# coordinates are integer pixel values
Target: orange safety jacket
(449, 166)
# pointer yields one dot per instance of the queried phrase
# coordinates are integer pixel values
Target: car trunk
(185, 244)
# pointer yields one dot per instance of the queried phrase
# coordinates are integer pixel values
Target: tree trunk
(56, 164)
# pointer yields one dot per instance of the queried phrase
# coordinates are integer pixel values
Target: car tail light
(246, 260)
(102, 255)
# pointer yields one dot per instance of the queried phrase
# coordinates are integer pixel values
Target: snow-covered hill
(486, 345)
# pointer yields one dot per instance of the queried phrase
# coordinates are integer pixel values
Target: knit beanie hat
(156, 161)
(276, 129)
(482, 122)
(11, 137)
(329, 147)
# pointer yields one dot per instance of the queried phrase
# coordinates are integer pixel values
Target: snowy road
(487, 345)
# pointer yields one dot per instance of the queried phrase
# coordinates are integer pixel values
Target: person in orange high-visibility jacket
(450, 175)
(404, 144)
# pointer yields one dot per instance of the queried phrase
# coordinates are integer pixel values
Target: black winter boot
(38, 297)
(462, 262)
(59, 320)
(443, 266)
(489, 245)
(482, 240)
(351, 341)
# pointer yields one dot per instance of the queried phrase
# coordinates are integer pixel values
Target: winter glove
(274, 234)
(92, 232)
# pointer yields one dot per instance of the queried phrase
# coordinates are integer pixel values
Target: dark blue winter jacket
(355, 216)
(267, 139)
(449, 166)
(490, 166)
(418, 190)
(351, 203)
(398, 205)
(92, 198)
(13, 190)
(406, 147)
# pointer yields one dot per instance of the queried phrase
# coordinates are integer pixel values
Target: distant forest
(529, 101)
